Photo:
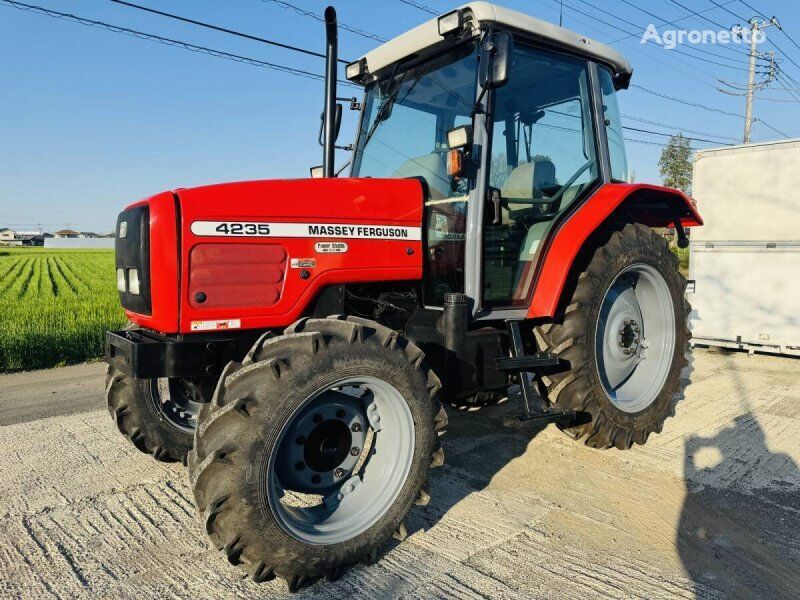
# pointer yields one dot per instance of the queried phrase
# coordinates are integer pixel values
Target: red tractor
(293, 339)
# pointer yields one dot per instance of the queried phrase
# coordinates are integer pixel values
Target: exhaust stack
(331, 59)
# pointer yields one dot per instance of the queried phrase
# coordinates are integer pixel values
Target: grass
(55, 306)
(683, 259)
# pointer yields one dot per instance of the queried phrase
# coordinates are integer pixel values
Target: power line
(677, 128)
(421, 7)
(688, 16)
(686, 102)
(307, 13)
(639, 27)
(674, 24)
(669, 135)
(221, 29)
(727, 10)
(166, 41)
(697, 14)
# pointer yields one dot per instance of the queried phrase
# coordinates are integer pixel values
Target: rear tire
(611, 415)
(139, 409)
(254, 454)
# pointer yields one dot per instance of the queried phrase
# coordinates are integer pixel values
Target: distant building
(33, 239)
(8, 237)
(67, 233)
(87, 234)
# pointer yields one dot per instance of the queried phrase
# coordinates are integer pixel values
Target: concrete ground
(710, 508)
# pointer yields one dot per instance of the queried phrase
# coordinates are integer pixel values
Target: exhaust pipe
(331, 60)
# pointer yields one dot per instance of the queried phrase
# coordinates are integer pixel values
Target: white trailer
(744, 266)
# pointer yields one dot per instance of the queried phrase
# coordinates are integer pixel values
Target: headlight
(459, 137)
(133, 281)
(356, 69)
(121, 280)
(450, 23)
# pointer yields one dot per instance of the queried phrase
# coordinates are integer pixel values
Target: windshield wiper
(388, 101)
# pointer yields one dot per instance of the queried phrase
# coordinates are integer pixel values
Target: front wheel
(622, 340)
(158, 416)
(315, 448)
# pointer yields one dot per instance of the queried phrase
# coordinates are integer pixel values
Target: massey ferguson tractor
(293, 340)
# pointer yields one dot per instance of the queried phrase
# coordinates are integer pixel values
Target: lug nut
(299, 465)
(636, 329)
(339, 472)
(354, 451)
(315, 478)
(356, 427)
(340, 413)
(318, 418)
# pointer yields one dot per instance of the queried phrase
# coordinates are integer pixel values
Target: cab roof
(425, 39)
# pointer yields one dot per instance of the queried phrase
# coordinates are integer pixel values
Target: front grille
(132, 247)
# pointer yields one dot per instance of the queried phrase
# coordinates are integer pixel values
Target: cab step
(535, 407)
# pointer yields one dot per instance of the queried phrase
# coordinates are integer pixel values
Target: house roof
(66, 232)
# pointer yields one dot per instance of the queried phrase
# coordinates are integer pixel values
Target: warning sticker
(303, 263)
(331, 247)
(215, 325)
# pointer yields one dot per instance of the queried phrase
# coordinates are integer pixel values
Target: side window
(542, 159)
(616, 141)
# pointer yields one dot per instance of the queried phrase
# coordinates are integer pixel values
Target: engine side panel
(255, 254)
(652, 205)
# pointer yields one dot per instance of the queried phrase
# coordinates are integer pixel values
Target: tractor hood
(258, 254)
(385, 201)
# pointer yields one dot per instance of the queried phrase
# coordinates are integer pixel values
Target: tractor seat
(433, 168)
(526, 182)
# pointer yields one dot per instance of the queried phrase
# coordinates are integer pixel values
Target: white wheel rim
(355, 500)
(635, 338)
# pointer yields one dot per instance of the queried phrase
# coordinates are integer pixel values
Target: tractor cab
(509, 121)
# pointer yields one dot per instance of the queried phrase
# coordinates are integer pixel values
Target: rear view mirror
(337, 123)
(495, 64)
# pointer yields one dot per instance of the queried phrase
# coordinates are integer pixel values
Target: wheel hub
(629, 336)
(323, 444)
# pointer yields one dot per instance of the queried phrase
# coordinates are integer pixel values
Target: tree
(674, 164)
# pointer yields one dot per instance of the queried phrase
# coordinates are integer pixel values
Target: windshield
(407, 116)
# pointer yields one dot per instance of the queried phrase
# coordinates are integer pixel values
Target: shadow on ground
(740, 514)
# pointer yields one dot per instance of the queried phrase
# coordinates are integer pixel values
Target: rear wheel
(623, 340)
(158, 416)
(315, 448)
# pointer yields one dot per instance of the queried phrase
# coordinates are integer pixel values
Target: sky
(92, 120)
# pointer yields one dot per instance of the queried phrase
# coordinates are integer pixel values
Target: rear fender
(651, 205)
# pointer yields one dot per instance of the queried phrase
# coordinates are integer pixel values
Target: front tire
(623, 339)
(158, 416)
(292, 473)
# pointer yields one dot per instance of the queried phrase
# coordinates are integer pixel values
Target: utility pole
(756, 27)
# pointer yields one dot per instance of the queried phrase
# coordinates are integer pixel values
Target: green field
(55, 306)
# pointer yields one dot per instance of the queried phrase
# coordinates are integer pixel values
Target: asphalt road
(33, 395)
(710, 508)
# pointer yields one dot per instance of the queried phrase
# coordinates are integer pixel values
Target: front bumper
(144, 354)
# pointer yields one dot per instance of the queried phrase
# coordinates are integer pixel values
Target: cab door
(543, 159)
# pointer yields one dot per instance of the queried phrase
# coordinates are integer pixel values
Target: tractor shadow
(739, 525)
(477, 447)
